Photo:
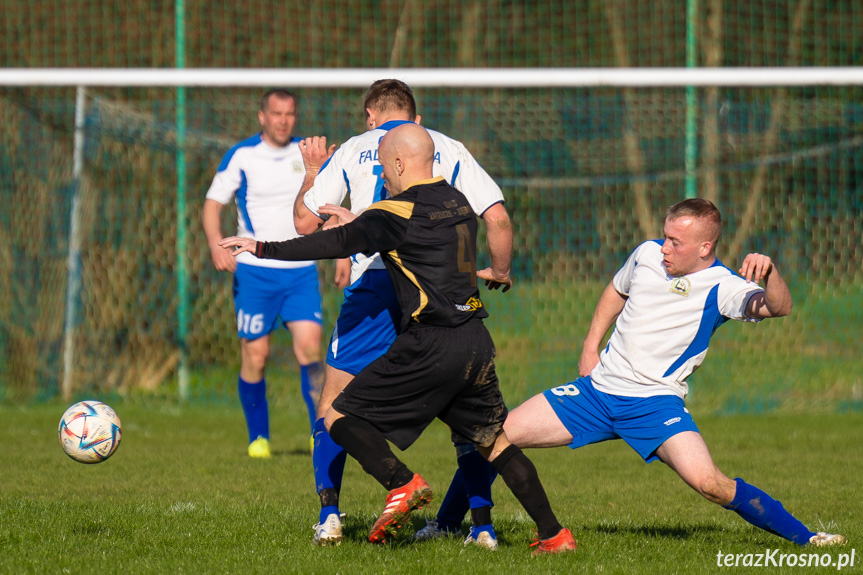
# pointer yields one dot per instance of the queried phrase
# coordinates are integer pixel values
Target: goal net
(587, 174)
(105, 256)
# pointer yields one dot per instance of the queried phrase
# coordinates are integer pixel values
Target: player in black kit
(442, 363)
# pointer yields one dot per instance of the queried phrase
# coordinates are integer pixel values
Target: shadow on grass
(358, 529)
(657, 531)
(296, 452)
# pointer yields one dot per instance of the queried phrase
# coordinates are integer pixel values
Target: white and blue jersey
(264, 181)
(354, 170)
(664, 330)
(367, 320)
(636, 392)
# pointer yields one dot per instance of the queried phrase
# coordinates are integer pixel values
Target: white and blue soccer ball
(90, 431)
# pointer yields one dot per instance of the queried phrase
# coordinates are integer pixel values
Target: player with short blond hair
(665, 303)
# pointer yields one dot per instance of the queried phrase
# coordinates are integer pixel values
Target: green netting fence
(587, 174)
(442, 33)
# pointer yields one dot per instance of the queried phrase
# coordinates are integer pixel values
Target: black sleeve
(373, 231)
(338, 242)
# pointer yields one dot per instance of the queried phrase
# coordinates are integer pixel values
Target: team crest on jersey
(681, 286)
(472, 304)
(297, 167)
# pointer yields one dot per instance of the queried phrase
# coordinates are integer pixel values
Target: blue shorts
(367, 323)
(592, 416)
(263, 295)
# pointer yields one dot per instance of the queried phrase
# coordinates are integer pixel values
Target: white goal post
(434, 77)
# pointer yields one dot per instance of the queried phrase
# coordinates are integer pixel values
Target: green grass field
(181, 496)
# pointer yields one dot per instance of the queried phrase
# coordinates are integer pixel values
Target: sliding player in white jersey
(665, 302)
(263, 174)
(369, 316)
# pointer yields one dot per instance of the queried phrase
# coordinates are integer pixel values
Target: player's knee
(716, 488)
(497, 447)
(308, 352)
(255, 360)
(330, 418)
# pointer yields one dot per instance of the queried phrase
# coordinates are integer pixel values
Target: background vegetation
(587, 175)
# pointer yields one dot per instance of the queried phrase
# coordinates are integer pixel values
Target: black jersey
(427, 238)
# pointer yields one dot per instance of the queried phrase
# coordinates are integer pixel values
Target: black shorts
(430, 372)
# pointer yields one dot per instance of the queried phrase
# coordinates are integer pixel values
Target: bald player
(441, 364)
(369, 316)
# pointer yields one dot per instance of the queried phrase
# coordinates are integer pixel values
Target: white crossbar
(433, 77)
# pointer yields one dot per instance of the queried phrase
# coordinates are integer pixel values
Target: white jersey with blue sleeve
(662, 334)
(354, 170)
(264, 181)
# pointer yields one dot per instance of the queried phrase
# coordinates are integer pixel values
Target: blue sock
(470, 487)
(477, 529)
(454, 505)
(329, 461)
(311, 382)
(476, 471)
(253, 398)
(326, 511)
(763, 511)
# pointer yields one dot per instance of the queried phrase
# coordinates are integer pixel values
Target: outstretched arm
(775, 300)
(499, 236)
(337, 243)
(315, 153)
(610, 305)
(371, 232)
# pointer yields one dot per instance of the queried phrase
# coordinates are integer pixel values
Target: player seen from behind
(369, 316)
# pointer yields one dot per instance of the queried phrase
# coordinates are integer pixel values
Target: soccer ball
(89, 432)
